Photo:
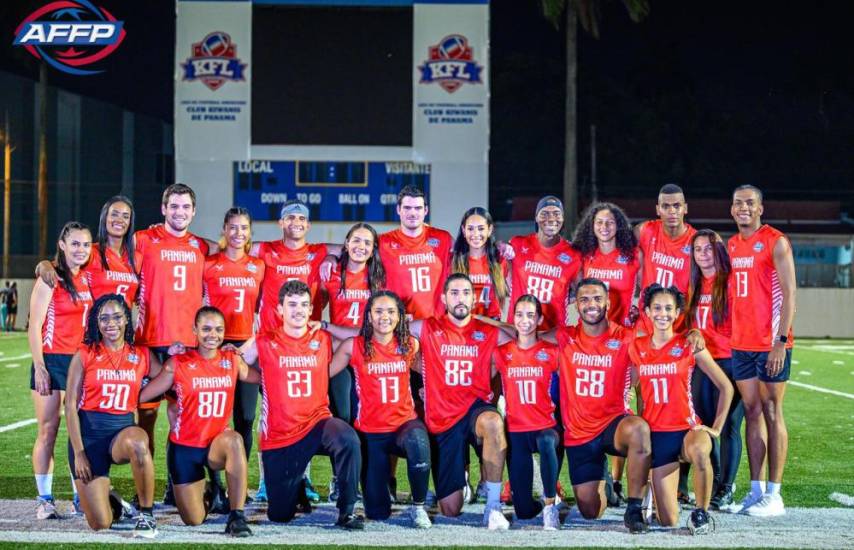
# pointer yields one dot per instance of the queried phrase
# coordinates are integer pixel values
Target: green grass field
(821, 428)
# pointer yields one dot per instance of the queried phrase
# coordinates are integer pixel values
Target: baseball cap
(294, 206)
(548, 200)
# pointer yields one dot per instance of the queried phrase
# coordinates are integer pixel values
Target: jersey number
(659, 395)
(484, 295)
(180, 273)
(121, 290)
(114, 396)
(589, 383)
(702, 316)
(353, 313)
(741, 284)
(212, 404)
(390, 389)
(299, 383)
(541, 288)
(664, 277)
(527, 392)
(420, 278)
(85, 313)
(241, 297)
(457, 372)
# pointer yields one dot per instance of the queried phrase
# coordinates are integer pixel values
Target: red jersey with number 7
(233, 286)
(117, 278)
(284, 264)
(526, 376)
(65, 320)
(382, 383)
(112, 380)
(347, 305)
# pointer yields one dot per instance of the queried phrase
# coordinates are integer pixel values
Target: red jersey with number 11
(111, 379)
(526, 376)
(382, 383)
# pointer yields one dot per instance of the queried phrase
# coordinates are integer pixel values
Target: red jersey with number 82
(111, 379)
(284, 264)
(65, 320)
(119, 278)
(457, 369)
(205, 390)
(347, 307)
(233, 287)
(526, 376)
(382, 383)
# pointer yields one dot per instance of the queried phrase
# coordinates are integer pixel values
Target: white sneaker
(419, 517)
(46, 509)
(467, 498)
(767, 507)
(494, 519)
(146, 527)
(646, 506)
(551, 518)
(750, 499)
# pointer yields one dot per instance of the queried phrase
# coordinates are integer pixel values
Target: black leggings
(726, 453)
(245, 404)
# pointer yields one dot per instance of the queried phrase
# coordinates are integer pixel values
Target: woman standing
(475, 254)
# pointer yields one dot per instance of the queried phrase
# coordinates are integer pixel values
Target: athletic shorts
(666, 447)
(57, 369)
(186, 464)
(449, 450)
(751, 364)
(99, 431)
(587, 460)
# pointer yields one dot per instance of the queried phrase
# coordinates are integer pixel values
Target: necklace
(115, 364)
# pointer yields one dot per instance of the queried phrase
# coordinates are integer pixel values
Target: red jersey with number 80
(294, 385)
(119, 278)
(347, 307)
(526, 376)
(65, 320)
(233, 287)
(382, 383)
(595, 379)
(205, 390)
(111, 379)
(284, 264)
(717, 337)
(457, 369)
(619, 273)
(665, 383)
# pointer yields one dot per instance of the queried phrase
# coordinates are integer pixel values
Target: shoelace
(711, 522)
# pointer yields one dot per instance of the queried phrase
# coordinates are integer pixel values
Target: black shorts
(57, 368)
(751, 364)
(99, 431)
(12, 310)
(450, 448)
(587, 460)
(666, 447)
(186, 464)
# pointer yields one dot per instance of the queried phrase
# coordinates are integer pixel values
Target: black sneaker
(700, 522)
(612, 498)
(303, 503)
(618, 492)
(351, 522)
(723, 499)
(121, 509)
(633, 518)
(146, 526)
(237, 526)
(219, 501)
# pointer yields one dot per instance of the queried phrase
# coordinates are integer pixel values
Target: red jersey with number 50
(119, 278)
(416, 268)
(619, 273)
(665, 383)
(457, 369)
(205, 390)
(595, 379)
(717, 336)
(170, 286)
(65, 321)
(294, 385)
(485, 301)
(526, 376)
(382, 383)
(284, 264)
(233, 288)
(347, 307)
(111, 379)
(758, 301)
(547, 273)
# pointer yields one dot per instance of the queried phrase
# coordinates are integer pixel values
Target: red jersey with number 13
(382, 383)
(526, 377)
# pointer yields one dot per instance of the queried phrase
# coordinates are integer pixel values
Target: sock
(493, 493)
(632, 501)
(44, 485)
(147, 510)
(73, 485)
(773, 488)
(237, 512)
(757, 487)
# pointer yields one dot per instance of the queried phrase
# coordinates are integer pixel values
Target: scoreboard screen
(333, 191)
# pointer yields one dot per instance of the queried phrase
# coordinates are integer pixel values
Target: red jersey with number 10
(347, 307)
(619, 273)
(382, 383)
(65, 321)
(111, 379)
(284, 264)
(526, 376)
(666, 261)
(233, 287)
(119, 278)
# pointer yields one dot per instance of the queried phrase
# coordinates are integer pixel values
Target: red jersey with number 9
(457, 369)
(485, 301)
(347, 306)
(111, 379)
(294, 385)
(717, 336)
(619, 273)
(526, 376)
(205, 390)
(65, 320)
(233, 287)
(284, 264)
(119, 278)
(382, 383)
(595, 379)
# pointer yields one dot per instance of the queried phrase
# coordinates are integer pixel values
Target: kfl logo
(214, 61)
(451, 64)
(68, 34)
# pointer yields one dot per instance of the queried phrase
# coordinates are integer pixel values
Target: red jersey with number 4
(233, 287)
(118, 278)
(112, 379)
(595, 379)
(294, 385)
(347, 307)
(284, 264)
(457, 369)
(619, 273)
(526, 376)
(205, 390)
(65, 320)
(665, 383)
(717, 336)
(416, 268)
(485, 301)
(547, 273)
(382, 383)
(758, 301)
(170, 286)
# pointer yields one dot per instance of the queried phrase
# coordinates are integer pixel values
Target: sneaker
(121, 509)
(686, 500)
(699, 523)
(303, 503)
(76, 508)
(310, 493)
(767, 507)
(218, 501)
(722, 499)
(493, 518)
(261, 494)
(634, 519)
(333, 491)
(749, 500)
(618, 492)
(46, 509)
(430, 500)
(559, 492)
(506, 494)
(418, 516)
(146, 526)
(612, 498)
(551, 518)
(237, 526)
(169, 495)
(647, 508)
(392, 489)
(351, 522)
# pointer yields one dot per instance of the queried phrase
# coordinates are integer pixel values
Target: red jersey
(547, 273)
(112, 379)
(170, 286)
(233, 288)
(526, 376)
(717, 337)
(485, 301)
(382, 383)
(65, 321)
(619, 273)
(119, 278)
(758, 300)
(284, 264)
(665, 383)
(416, 268)
(457, 369)
(347, 306)
(294, 385)
(666, 261)
(595, 379)
(205, 390)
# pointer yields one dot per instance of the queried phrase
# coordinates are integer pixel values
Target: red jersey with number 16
(619, 273)
(111, 379)
(382, 383)
(347, 306)
(233, 287)
(284, 264)
(65, 320)
(526, 376)
(118, 278)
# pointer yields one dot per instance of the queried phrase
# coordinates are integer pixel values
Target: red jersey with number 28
(111, 379)
(233, 287)
(619, 273)
(282, 265)
(119, 278)
(457, 369)
(65, 320)
(347, 307)
(382, 383)
(526, 376)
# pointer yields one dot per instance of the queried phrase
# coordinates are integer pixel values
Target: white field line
(15, 357)
(18, 424)
(821, 390)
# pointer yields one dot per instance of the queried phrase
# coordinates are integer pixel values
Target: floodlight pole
(7, 194)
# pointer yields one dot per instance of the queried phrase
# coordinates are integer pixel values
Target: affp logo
(70, 34)
(451, 64)
(214, 61)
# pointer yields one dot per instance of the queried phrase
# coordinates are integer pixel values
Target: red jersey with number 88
(526, 376)
(233, 287)
(382, 383)
(111, 379)
(347, 306)
(65, 320)
(119, 278)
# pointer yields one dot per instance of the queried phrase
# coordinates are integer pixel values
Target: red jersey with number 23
(526, 376)
(232, 286)
(382, 383)
(111, 379)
